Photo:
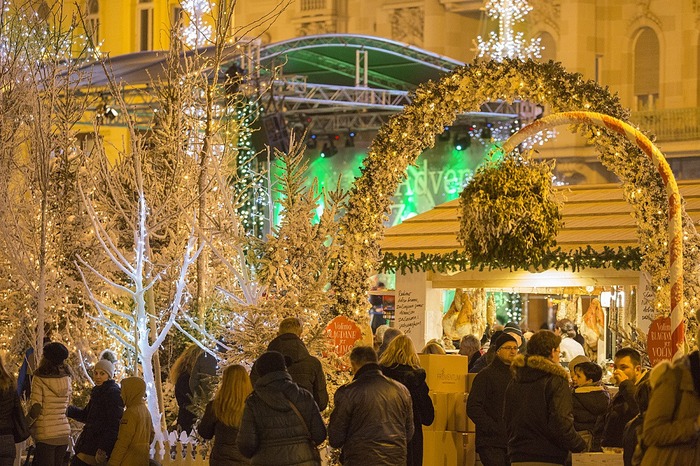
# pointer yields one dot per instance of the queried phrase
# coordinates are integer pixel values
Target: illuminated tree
(42, 226)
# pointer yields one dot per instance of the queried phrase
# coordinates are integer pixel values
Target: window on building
(177, 17)
(92, 20)
(549, 47)
(646, 69)
(144, 24)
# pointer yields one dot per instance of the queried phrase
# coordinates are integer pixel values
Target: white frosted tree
(131, 324)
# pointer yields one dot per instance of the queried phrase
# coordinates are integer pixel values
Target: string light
(507, 43)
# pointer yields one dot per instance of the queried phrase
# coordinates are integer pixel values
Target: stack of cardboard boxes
(450, 438)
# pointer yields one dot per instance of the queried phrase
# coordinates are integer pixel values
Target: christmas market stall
(592, 276)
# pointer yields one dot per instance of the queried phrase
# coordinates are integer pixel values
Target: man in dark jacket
(537, 409)
(373, 416)
(623, 408)
(306, 370)
(272, 432)
(485, 403)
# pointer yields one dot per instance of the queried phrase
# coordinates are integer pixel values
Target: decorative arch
(436, 105)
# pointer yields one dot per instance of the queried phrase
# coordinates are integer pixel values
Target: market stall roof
(593, 215)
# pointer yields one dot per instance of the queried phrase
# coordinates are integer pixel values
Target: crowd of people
(535, 400)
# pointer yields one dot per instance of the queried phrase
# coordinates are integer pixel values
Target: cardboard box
(457, 418)
(445, 372)
(597, 459)
(441, 406)
(448, 448)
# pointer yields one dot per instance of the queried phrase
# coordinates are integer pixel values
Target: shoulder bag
(314, 450)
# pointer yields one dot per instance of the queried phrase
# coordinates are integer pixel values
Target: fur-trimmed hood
(528, 368)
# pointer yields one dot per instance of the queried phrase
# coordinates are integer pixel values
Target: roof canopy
(595, 215)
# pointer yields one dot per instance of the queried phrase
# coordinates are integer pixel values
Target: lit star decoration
(508, 43)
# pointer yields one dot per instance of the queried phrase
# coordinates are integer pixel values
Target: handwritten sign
(409, 311)
(344, 333)
(659, 340)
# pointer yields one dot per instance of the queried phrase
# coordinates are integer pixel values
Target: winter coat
(225, 451)
(101, 417)
(372, 420)
(538, 412)
(630, 439)
(183, 396)
(136, 428)
(590, 405)
(622, 409)
(473, 360)
(271, 433)
(485, 404)
(306, 370)
(669, 434)
(53, 393)
(203, 375)
(423, 410)
(8, 398)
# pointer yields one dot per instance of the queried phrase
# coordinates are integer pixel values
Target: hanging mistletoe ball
(509, 212)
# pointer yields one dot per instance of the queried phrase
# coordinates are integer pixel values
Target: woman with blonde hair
(222, 417)
(180, 377)
(433, 347)
(400, 362)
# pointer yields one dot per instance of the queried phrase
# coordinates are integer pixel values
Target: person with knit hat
(281, 423)
(51, 391)
(485, 402)
(101, 417)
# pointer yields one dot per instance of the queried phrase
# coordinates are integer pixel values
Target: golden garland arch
(436, 104)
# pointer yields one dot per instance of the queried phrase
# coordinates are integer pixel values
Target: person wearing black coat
(101, 417)
(372, 420)
(305, 369)
(628, 374)
(272, 433)
(485, 403)
(538, 407)
(400, 362)
(222, 417)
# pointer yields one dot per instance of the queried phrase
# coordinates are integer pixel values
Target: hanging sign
(344, 333)
(659, 340)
